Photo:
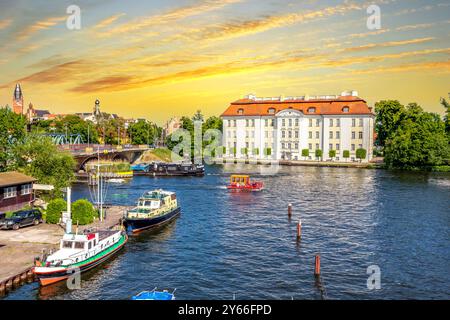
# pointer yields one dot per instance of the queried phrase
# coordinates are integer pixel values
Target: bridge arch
(82, 165)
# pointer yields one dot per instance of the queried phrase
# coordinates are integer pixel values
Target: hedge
(83, 212)
(54, 209)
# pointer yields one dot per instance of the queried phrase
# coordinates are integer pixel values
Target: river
(242, 245)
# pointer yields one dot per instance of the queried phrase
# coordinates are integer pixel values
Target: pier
(18, 248)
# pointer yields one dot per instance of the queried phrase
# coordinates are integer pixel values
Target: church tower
(18, 100)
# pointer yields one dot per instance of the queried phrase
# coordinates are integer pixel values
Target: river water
(242, 245)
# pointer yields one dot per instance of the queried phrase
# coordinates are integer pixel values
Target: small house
(16, 191)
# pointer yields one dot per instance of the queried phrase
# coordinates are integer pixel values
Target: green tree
(446, 105)
(319, 154)
(332, 154)
(12, 132)
(142, 132)
(268, 151)
(83, 212)
(388, 116)
(361, 154)
(346, 154)
(305, 153)
(37, 156)
(419, 142)
(54, 209)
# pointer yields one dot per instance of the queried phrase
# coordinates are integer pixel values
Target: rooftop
(14, 178)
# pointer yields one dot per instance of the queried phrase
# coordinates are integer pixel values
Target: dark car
(2, 216)
(22, 219)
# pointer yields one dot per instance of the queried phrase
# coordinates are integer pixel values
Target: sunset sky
(158, 59)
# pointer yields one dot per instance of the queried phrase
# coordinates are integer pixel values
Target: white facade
(285, 134)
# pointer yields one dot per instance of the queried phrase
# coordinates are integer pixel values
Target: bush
(305, 153)
(319, 153)
(268, 151)
(54, 209)
(346, 154)
(332, 154)
(361, 153)
(83, 212)
(244, 151)
(256, 151)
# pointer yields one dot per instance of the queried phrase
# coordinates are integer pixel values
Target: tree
(54, 209)
(37, 156)
(420, 141)
(388, 116)
(319, 154)
(346, 154)
(361, 154)
(198, 116)
(12, 132)
(268, 151)
(332, 154)
(83, 212)
(446, 105)
(305, 153)
(142, 132)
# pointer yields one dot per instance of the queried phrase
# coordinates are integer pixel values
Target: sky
(158, 59)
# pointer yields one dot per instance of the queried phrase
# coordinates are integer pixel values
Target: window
(246, 122)
(290, 122)
(360, 146)
(272, 122)
(310, 122)
(296, 122)
(310, 146)
(26, 189)
(267, 134)
(353, 122)
(360, 135)
(317, 146)
(282, 145)
(246, 145)
(296, 146)
(338, 146)
(266, 123)
(289, 145)
(271, 111)
(353, 147)
(310, 134)
(246, 134)
(360, 122)
(353, 135)
(311, 110)
(234, 123)
(317, 135)
(317, 122)
(331, 134)
(253, 122)
(89, 244)
(10, 192)
(330, 146)
(345, 109)
(338, 122)
(253, 134)
(240, 111)
(290, 134)
(331, 122)
(229, 134)
(228, 123)
(283, 122)
(338, 134)
(296, 134)
(67, 244)
(283, 134)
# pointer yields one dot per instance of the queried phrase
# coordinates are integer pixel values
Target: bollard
(317, 266)
(16, 281)
(2, 288)
(23, 277)
(299, 230)
(290, 209)
(9, 284)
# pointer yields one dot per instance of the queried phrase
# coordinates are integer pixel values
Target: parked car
(2, 216)
(22, 219)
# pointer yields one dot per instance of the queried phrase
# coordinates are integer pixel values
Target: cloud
(5, 23)
(170, 16)
(108, 21)
(39, 25)
(388, 44)
(443, 66)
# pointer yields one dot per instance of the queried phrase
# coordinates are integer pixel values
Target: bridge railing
(94, 148)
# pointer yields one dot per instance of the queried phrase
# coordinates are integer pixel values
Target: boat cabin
(240, 179)
(79, 241)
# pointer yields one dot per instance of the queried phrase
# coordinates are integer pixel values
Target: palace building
(293, 128)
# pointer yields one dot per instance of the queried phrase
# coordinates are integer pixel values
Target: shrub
(256, 151)
(54, 209)
(305, 153)
(244, 151)
(319, 153)
(332, 154)
(268, 151)
(346, 154)
(361, 153)
(83, 212)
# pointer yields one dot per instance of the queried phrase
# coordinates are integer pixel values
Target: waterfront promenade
(19, 248)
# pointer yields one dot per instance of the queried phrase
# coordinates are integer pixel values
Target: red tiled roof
(331, 107)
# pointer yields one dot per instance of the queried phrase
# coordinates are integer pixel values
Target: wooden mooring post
(16, 281)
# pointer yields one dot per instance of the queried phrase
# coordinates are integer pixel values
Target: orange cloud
(40, 25)
(388, 44)
(108, 21)
(5, 23)
(440, 65)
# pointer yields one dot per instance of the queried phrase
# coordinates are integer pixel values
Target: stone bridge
(84, 153)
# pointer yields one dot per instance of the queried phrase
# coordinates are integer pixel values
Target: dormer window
(345, 109)
(312, 110)
(271, 111)
(240, 111)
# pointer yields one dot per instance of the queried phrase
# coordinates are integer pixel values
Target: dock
(18, 248)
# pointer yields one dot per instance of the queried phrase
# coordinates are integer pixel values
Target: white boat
(116, 180)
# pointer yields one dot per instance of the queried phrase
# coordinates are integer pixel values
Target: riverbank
(304, 163)
(18, 248)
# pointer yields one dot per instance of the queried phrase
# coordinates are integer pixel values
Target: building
(171, 126)
(283, 127)
(96, 115)
(16, 191)
(18, 100)
(35, 115)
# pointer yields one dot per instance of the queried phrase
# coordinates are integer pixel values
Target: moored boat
(79, 252)
(162, 169)
(154, 208)
(243, 183)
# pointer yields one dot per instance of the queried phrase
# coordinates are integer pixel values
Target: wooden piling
(290, 210)
(317, 266)
(299, 230)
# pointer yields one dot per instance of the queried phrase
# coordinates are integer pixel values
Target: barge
(161, 169)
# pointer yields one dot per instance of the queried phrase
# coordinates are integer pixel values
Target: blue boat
(154, 295)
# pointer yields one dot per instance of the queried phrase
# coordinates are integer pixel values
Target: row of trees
(83, 212)
(411, 138)
(107, 130)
